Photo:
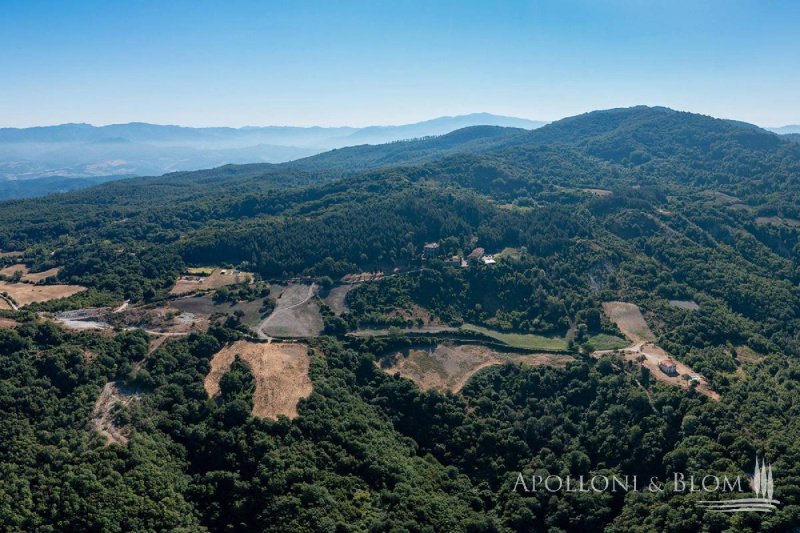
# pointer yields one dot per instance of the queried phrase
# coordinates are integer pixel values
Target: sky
(329, 63)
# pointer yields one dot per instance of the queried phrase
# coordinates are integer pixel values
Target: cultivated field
(215, 280)
(296, 313)
(449, 366)
(280, 371)
(629, 320)
(26, 293)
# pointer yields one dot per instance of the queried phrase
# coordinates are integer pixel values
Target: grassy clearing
(607, 342)
(524, 341)
(200, 271)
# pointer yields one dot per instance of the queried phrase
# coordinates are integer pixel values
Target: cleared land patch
(524, 341)
(218, 278)
(280, 371)
(27, 275)
(643, 352)
(296, 313)
(629, 320)
(449, 366)
(691, 305)
(105, 410)
(336, 298)
(7, 323)
(26, 293)
(778, 221)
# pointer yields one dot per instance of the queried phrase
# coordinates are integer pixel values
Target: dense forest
(642, 205)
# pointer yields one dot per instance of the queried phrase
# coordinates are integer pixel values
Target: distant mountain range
(40, 160)
(785, 130)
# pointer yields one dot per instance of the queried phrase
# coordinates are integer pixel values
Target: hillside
(90, 154)
(611, 241)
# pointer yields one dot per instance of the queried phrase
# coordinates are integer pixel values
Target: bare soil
(280, 371)
(449, 366)
(26, 293)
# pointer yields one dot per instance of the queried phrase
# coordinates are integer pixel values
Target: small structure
(476, 254)
(488, 260)
(668, 367)
(455, 260)
(431, 249)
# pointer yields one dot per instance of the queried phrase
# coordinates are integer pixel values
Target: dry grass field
(7, 323)
(336, 297)
(449, 366)
(26, 293)
(280, 371)
(629, 320)
(104, 413)
(296, 313)
(218, 278)
(27, 275)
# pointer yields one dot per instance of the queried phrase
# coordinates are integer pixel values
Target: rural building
(455, 260)
(488, 260)
(476, 254)
(431, 249)
(668, 367)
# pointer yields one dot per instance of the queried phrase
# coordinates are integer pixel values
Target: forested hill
(694, 220)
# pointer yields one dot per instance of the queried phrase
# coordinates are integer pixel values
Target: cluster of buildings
(432, 249)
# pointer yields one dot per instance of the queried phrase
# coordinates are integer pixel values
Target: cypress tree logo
(762, 485)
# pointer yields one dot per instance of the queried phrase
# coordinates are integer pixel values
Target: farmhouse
(431, 249)
(488, 260)
(668, 367)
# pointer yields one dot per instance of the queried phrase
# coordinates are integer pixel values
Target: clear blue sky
(334, 62)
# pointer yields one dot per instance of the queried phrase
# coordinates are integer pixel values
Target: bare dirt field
(198, 283)
(280, 371)
(449, 366)
(336, 297)
(26, 293)
(691, 305)
(296, 313)
(629, 320)
(104, 412)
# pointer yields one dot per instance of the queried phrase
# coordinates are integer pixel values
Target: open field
(691, 305)
(11, 254)
(629, 320)
(104, 413)
(336, 297)
(215, 280)
(521, 340)
(27, 275)
(607, 342)
(26, 293)
(200, 271)
(4, 305)
(449, 366)
(296, 314)
(7, 323)
(280, 371)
